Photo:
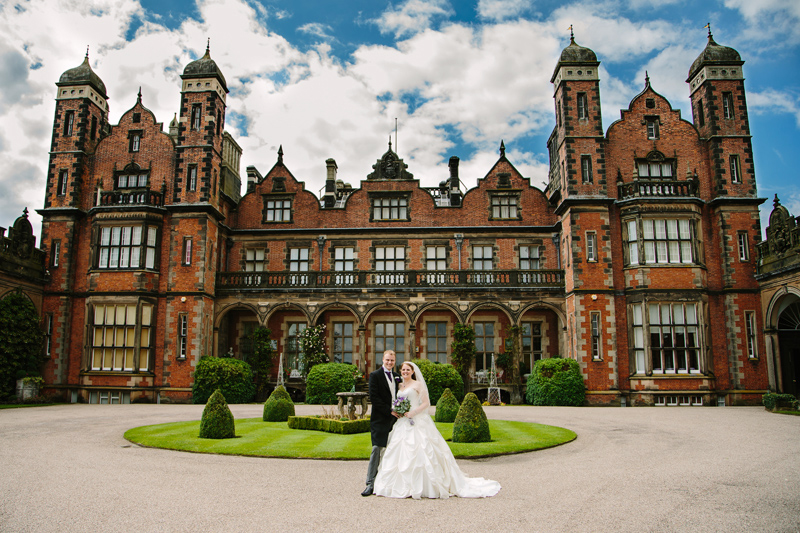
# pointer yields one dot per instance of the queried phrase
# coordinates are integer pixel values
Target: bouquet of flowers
(401, 406)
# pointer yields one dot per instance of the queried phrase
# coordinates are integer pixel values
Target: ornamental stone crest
(390, 167)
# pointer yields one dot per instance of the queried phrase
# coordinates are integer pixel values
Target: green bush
(232, 376)
(447, 407)
(217, 421)
(439, 377)
(325, 380)
(772, 399)
(20, 341)
(279, 406)
(556, 382)
(471, 424)
(342, 427)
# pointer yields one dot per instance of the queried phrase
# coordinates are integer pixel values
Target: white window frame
(344, 260)
(597, 350)
(751, 333)
(119, 331)
(504, 206)
(583, 106)
(390, 208)
(279, 210)
(183, 335)
(586, 169)
(591, 246)
(743, 243)
(736, 169)
(122, 247)
(669, 320)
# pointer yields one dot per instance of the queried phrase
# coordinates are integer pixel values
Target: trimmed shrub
(217, 421)
(342, 427)
(279, 406)
(556, 382)
(471, 424)
(439, 377)
(447, 407)
(771, 400)
(232, 376)
(325, 380)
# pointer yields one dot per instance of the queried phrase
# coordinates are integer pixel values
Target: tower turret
(719, 108)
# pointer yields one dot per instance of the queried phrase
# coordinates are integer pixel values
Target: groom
(382, 392)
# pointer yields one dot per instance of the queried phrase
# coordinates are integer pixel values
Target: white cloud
(774, 101)
(316, 28)
(412, 16)
(502, 9)
(768, 18)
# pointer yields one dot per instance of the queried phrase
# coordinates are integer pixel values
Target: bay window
(673, 343)
(121, 247)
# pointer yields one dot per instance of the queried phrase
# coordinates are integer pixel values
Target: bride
(417, 461)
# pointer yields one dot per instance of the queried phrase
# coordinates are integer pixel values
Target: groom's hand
(396, 415)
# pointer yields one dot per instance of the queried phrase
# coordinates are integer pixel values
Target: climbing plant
(463, 349)
(20, 341)
(312, 344)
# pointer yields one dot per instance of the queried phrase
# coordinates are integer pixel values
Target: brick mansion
(640, 258)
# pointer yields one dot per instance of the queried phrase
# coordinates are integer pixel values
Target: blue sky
(326, 78)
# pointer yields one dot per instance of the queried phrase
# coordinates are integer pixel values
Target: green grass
(275, 439)
(21, 405)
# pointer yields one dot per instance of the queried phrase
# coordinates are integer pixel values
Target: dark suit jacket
(381, 420)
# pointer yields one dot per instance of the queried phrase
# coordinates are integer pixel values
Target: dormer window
(389, 208)
(504, 206)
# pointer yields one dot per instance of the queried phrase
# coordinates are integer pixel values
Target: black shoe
(367, 491)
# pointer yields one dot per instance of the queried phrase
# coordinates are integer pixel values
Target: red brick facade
(630, 261)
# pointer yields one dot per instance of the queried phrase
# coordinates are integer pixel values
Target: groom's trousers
(374, 462)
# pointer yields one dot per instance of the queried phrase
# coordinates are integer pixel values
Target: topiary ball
(447, 407)
(471, 424)
(217, 421)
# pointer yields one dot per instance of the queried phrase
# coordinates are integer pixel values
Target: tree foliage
(463, 348)
(232, 376)
(20, 341)
(262, 359)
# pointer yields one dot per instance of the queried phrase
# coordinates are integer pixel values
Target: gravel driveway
(68, 468)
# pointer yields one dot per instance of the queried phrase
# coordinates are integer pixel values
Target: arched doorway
(789, 342)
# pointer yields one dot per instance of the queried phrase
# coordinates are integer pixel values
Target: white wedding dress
(418, 463)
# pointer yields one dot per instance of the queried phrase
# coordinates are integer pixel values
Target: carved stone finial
(776, 202)
(571, 34)
(280, 154)
(502, 148)
(709, 30)
(646, 79)
(25, 211)
(139, 96)
(390, 143)
(87, 51)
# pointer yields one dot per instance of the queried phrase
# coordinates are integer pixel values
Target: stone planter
(26, 391)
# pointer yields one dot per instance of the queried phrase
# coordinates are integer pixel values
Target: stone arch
(384, 305)
(778, 304)
(562, 318)
(336, 306)
(433, 305)
(231, 329)
(484, 305)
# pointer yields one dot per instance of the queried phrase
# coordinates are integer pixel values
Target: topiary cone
(471, 424)
(217, 421)
(279, 406)
(447, 407)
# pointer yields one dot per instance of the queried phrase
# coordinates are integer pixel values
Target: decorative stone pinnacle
(502, 148)
(280, 154)
(571, 34)
(87, 51)
(139, 96)
(776, 202)
(25, 212)
(390, 143)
